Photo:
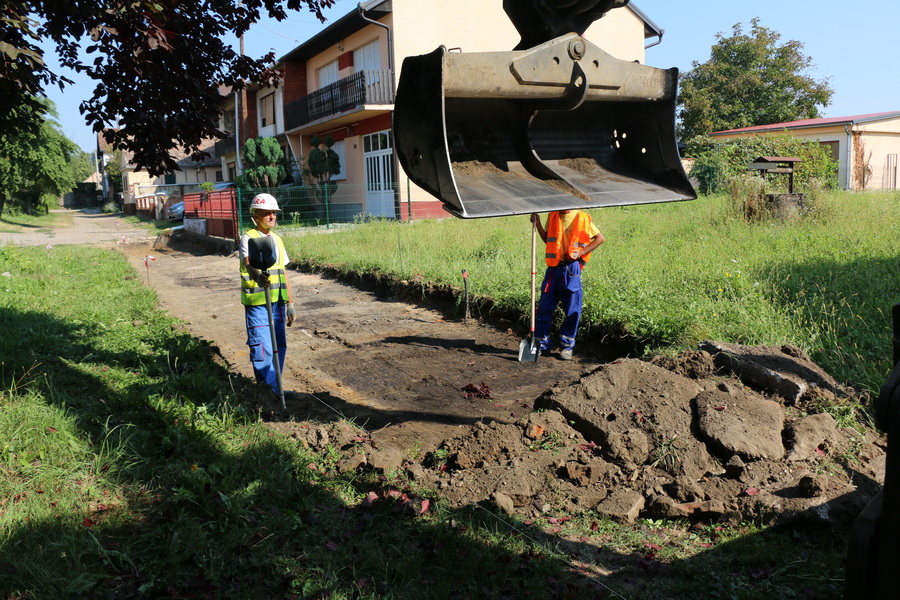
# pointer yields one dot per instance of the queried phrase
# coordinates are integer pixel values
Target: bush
(717, 162)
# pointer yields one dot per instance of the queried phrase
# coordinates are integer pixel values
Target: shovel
(262, 255)
(530, 349)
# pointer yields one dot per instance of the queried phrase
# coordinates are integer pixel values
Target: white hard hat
(264, 202)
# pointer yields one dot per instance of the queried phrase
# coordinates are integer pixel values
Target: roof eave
(345, 26)
(651, 29)
(838, 121)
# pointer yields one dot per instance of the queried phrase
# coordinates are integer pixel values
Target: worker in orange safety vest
(570, 236)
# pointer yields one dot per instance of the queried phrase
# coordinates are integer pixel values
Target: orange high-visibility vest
(579, 238)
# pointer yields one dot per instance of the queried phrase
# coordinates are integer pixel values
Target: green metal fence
(305, 206)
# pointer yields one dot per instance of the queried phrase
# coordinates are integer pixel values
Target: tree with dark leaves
(158, 66)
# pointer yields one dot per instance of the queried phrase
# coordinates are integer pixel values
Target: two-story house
(341, 83)
(141, 192)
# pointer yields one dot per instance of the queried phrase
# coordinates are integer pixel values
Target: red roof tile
(813, 122)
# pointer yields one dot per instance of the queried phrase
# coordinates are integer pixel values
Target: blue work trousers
(259, 339)
(561, 287)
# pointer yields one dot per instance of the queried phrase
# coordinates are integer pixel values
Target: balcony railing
(359, 89)
(225, 145)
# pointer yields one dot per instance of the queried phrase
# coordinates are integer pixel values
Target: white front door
(378, 157)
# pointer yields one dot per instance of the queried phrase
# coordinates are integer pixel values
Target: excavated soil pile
(723, 433)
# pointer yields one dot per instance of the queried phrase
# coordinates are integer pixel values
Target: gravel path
(89, 227)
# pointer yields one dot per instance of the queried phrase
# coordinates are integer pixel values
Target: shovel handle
(533, 269)
(275, 358)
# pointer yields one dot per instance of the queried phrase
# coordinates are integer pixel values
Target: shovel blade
(529, 350)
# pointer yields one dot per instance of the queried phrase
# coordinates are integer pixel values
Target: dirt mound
(727, 435)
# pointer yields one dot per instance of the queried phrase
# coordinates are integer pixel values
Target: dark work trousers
(561, 287)
(260, 341)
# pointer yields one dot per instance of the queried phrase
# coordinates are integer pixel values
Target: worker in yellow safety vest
(264, 213)
(570, 237)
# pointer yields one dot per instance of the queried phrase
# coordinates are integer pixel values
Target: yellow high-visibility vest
(251, 293)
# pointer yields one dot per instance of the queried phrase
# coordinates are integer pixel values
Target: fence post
(238, 217)
(239, 210)
(408, 202)
(327, 215)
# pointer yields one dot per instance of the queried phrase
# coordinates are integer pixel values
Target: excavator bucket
(559, 126)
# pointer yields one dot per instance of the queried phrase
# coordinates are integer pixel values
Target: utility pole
(238, 110)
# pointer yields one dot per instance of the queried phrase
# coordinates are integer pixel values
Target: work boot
(565, 354)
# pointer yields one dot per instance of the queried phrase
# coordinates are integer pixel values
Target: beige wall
(201, 175)
(132, 180)
(353, 161)
(359, 39)
(422, 25)
(619, 32)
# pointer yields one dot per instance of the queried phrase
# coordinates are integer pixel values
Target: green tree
(113, 171)
(82, 165)
(157, 66)
(265, 164)
(37, 166)
(323, 162)
(749, 79)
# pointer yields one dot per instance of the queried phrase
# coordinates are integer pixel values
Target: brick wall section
(248, 118)
(379, 123)
(295, 85)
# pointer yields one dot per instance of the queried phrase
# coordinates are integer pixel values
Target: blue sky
(850, 45)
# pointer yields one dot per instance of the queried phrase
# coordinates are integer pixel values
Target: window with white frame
(267, 110)
(328, 74)
(228, 121)
(367, 58)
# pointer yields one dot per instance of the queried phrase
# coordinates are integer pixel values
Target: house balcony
(225, 146)
(350, 94)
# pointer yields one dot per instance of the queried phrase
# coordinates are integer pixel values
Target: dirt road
(89, 227)
(395, 368)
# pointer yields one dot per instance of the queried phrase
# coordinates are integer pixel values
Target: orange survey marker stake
(147, 260)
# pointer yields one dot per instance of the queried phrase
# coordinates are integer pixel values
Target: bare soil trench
(722, 433)
(397, 369)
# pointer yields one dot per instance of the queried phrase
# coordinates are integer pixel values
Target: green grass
(671, 275)
(17, 223)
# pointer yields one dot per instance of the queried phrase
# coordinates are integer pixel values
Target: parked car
(175, 211)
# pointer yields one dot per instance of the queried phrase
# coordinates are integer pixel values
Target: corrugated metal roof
(807, 123)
